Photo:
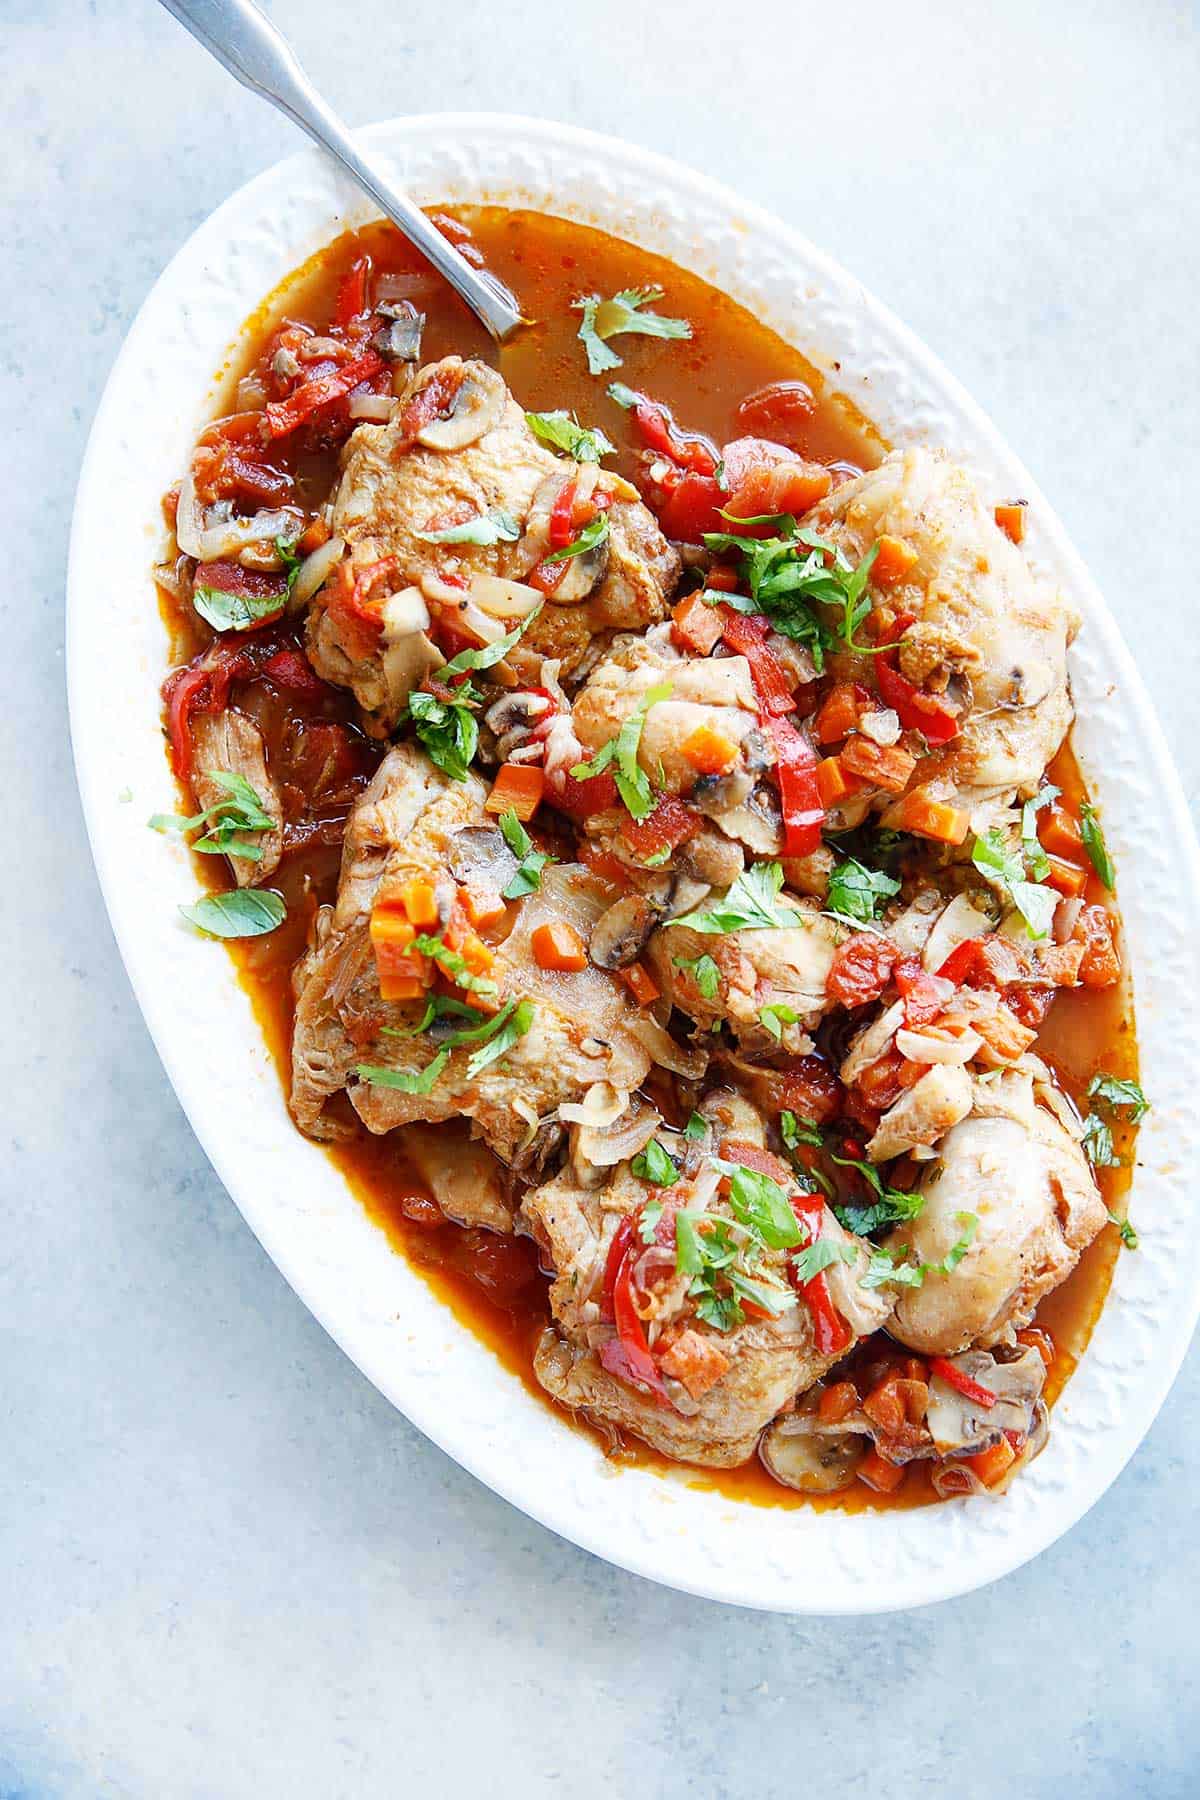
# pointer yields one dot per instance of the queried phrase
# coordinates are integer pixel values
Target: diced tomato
(356, 593)
(881, 1084)
(696, 1361)
(861, 969)
(229, 577)
(752, 1156)
(283, 416)
(692, 507)
(810, 1089)
(929, 714)
(924, 995)
(431, 401)
(780, 410)
(696, 626)
(783, 485)
(583, 799)
(659, 431)
(671, 823)
(292, 670)
(1101, 965)
(422, 1209)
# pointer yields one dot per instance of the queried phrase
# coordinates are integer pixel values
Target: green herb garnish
(654, 1165)
(1094, 844)
(562, 432)
(625, 313)
(243, 913)
(239, 811)
(593, 534)
(1006, 868)
(492, 527)
(704, 973)
(857, 893)
(633, 784)
(751, 904)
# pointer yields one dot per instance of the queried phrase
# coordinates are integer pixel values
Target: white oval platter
(377, 1308)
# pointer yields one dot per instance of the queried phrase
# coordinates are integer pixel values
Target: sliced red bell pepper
(659, 432)
(561, 516)
(283, 416)
(352, 293)
(622, 1240)
(831, 1334)
(627, 1356)
(201, 686)
(917, 710)
(955, 1378)
(747, 634)
(799, 796)
(961, 961)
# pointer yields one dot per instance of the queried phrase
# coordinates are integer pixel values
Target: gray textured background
(227, 1568)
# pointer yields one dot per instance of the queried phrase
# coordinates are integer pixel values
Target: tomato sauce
(322, 759)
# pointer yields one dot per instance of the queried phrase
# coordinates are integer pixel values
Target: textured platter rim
(419, 1356)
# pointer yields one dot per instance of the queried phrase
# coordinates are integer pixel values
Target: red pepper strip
(352, 293)
(201, 686)
(747, 636)
(831, 1334)
(561, 516)
(622, 1240)
(660, 432)
(796, 773)
(292, 670)
(627, 1356)
(918, 710)
(956, 1379)
(961, 961)
(283, 416)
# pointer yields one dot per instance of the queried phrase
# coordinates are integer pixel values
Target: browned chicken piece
(986, 632)
(720, 1387)
(465, 1179)
(228, 743)
(413, 822)
(477, 460)
(1014, 1168)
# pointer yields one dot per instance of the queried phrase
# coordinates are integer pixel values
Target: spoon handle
(246, 43)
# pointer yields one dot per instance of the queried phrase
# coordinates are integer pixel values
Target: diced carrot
(641, 984)
(893, 560)
(1059, 834)
(835, 784)
(420, 903)
(992, 1464)
(557, 945)
(840, 711)
(883, 1476)
(695, 626)
(1068, 878)
(605, 866)
(400, 987)
(482, 905)
(1010, 517)
(312, 537)
(476, 954)
(708, 751)
(403, 973)
(889, 768)
(1004, 1037)
(837, 1403)
(392, 927)
(926, 817)
(696, 1361)
(517, 788)
(722, 578)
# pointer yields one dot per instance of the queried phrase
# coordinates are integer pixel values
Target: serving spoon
(246, 43)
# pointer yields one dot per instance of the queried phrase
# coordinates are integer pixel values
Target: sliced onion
(934, 1047)
(405, 287)
(504, 599)
(602, 1105)
(315, 570)
(251, 394)
(317, 349)
(657, 1040)
(377, 407)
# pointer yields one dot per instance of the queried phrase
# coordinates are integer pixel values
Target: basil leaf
(240, 811)
(696, 1129)
(633, 784)
(774, 1018)
(704, 973)
(593, 534)
(771, 1296)
(492, 527)
(448, 730)
(1036, 860)
(486, 658)
(857, 893)
(622, 396)
(624, 313)
(1094, 844)
(562, 432)
(653, 1164)
(528, 878)
(1006, 869)
(796, 1131)
(243, 913)
(404, 1081)
(1116, 1095)
(751, 904)
(516, 1024)
(235, 612)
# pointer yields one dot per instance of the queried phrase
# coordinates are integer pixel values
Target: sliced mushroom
(476, 408)
(622, 932)
(808, 1461)
(478, 856)
(400, 339)
(959, 1425)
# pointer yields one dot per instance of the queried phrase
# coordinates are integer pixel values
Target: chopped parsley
(791, 576)
(492, 527)
(654, 1165)
(239, 811)
(624, 314)
(885, 1270)
(1005, 868)
(649, 1214)
(449, 729)
(751, 904)
(857, 893)
(454, 965)
(891, 1206)
(773, 1018)
(531, 862)
(1122, 1098)
(633, 784)
(1097, 1143)
(562, 432)
(405, 1081)
(796, 1131)
(703, 971)
(1094, 844)
(820, 1256)
(507, 1029)
(1129, 1236)
(495, 1036)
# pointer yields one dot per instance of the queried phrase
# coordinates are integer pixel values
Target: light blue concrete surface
(227, 1568)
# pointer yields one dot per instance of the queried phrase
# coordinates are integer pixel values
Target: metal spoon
(248, 45)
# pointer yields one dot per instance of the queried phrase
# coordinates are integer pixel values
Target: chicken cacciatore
(641, 805)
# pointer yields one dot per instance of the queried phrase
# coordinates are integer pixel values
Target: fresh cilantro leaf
(751, 904)
(1094, 844)
(236, 612)
(794, 574)
(492, 527)
(820, 1256)
(624, 313)
(763, 1207)
(771, 1296)
(796, 1131)
(633, 784)
(405, 1081)
(1119, 1097)
(696, 1129)
(593, 534)
(246, 912)
(1097, 1143)
(1129, 1236)
(653, 1164)
(647, 1225)
(467, 661)
(857, 893)
(773, 1019)
(452, 962)
(885, 1270)
(507, 1029)
(528, 878)
(892, 1205)
(704, 973)
(1006, 868)
(437, 1006)
(448, 730)
(562, 432)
